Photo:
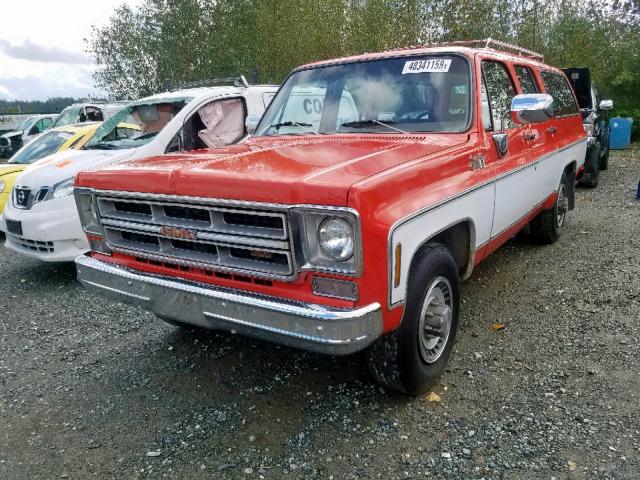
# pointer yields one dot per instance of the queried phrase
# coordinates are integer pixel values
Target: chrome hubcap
(562, 205)
(436, 315)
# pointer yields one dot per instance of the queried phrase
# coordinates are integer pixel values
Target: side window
(486, 111)
(216, 124)
(559, 89)
(526, 79)
(37, 128)
(500, 91)
(46, 123)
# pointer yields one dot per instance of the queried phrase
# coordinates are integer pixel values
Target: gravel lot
(92, 389)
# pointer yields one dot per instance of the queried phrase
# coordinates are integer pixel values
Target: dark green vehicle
(595, 119)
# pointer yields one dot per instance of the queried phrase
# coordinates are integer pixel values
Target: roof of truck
(510, 53)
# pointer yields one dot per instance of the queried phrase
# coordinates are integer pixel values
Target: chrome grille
(219, 236)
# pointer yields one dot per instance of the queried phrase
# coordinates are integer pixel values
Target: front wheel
(411, 359)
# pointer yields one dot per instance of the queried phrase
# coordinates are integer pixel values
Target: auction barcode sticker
(432, 65)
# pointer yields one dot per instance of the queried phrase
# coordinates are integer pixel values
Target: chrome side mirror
(606, 104)
(251, 123)
(531, 108)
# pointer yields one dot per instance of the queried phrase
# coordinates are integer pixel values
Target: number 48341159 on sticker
(431, 65)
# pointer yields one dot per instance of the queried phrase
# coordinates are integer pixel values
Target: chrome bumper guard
(308, 326)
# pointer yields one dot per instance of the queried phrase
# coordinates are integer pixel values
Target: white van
(41, 219)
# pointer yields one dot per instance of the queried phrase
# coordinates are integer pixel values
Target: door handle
(551, 130)
(529, 136)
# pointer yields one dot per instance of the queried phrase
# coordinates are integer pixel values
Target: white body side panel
(491, 209)
(476, 206)
(521, 191)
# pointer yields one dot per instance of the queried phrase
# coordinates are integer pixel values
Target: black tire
(591, 176)
(604, 159)
(547, 226)
(397, 360)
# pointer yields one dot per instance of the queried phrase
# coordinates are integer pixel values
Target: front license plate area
(14, 227)
(178, 306)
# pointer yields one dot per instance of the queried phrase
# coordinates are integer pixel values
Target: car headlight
(62, 189)
(2, 185)
(335, 237)
(328, 240)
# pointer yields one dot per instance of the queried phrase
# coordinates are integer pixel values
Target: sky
(42, 47)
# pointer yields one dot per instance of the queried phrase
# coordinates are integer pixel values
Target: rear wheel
(411, 359)
(591, 176)
(547, 226)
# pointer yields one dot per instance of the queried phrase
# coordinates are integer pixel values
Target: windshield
(44, 145)
(396, 95)
(151, 116)
(25, 124)
(68, 116)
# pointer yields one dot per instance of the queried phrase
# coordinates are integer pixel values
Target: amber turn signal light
(398, 258)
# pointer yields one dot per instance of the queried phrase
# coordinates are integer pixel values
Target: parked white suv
(30, 128)
(41, 219)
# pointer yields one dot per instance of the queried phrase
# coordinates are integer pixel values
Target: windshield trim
(338, 62)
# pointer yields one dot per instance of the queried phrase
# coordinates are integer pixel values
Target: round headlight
(335, 236)
(2, 185)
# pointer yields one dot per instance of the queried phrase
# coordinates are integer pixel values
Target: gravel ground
(92, 389)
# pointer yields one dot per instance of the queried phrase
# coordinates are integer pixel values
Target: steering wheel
(423, 115)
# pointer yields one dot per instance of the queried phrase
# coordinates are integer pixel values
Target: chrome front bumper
(308, 326)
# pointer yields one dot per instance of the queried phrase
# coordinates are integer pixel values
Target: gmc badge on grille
(176, 232)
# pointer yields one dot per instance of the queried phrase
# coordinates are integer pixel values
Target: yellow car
(52, 141)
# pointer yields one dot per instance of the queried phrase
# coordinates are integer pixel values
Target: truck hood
(290, 170)
(61, 166)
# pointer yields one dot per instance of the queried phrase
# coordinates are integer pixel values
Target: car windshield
(68, 116)
(151, 116)
(429, 93)
(25, 124)
(44, 145)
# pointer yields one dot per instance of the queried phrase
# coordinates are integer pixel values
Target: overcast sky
(42, 47)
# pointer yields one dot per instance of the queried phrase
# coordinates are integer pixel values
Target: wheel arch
(458, 237)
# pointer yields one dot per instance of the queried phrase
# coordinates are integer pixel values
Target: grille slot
(233, 218)
(131, 207)
(197, 214)
(32, 245)
(215, 237)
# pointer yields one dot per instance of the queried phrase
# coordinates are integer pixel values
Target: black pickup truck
(595, 119)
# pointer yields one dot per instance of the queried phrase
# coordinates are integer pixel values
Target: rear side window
(500, 91)
(525, 77)
(559, 89)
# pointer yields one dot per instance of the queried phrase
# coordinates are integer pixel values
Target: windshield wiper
(291, 123)
(368, 123)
